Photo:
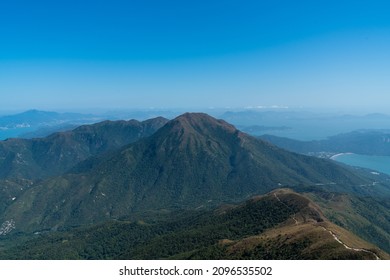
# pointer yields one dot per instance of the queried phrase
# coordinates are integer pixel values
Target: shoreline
(340, 154)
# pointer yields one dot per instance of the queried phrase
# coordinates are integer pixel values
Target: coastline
(340, 154)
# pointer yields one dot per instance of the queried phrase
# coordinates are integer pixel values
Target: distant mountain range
(36, 123)
(366, 142)
(152, 170)
(304, 125)
(295, 124)
(40, 118)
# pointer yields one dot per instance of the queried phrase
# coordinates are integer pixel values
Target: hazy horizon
(115, 110)
(117, 55)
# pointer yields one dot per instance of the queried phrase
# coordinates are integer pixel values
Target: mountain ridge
(193, 161)
(40, 158)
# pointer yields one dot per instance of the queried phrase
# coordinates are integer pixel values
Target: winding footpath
(332, 233)
(350, 248)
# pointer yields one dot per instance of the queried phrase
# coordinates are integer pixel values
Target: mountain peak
(195, 115)
(201, 122)
(195, 132)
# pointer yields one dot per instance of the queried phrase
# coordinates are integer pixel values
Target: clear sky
(149, 53)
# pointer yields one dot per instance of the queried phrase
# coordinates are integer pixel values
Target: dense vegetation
(192, 235)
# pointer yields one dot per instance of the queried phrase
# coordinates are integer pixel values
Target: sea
(380, 164)
(14, 132)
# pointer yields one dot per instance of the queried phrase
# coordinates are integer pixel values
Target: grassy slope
(365, 216)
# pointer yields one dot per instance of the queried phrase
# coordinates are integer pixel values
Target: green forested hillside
(53, 155)
(280, 225)
(366, 216)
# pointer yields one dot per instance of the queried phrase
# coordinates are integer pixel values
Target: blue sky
(137, 54)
